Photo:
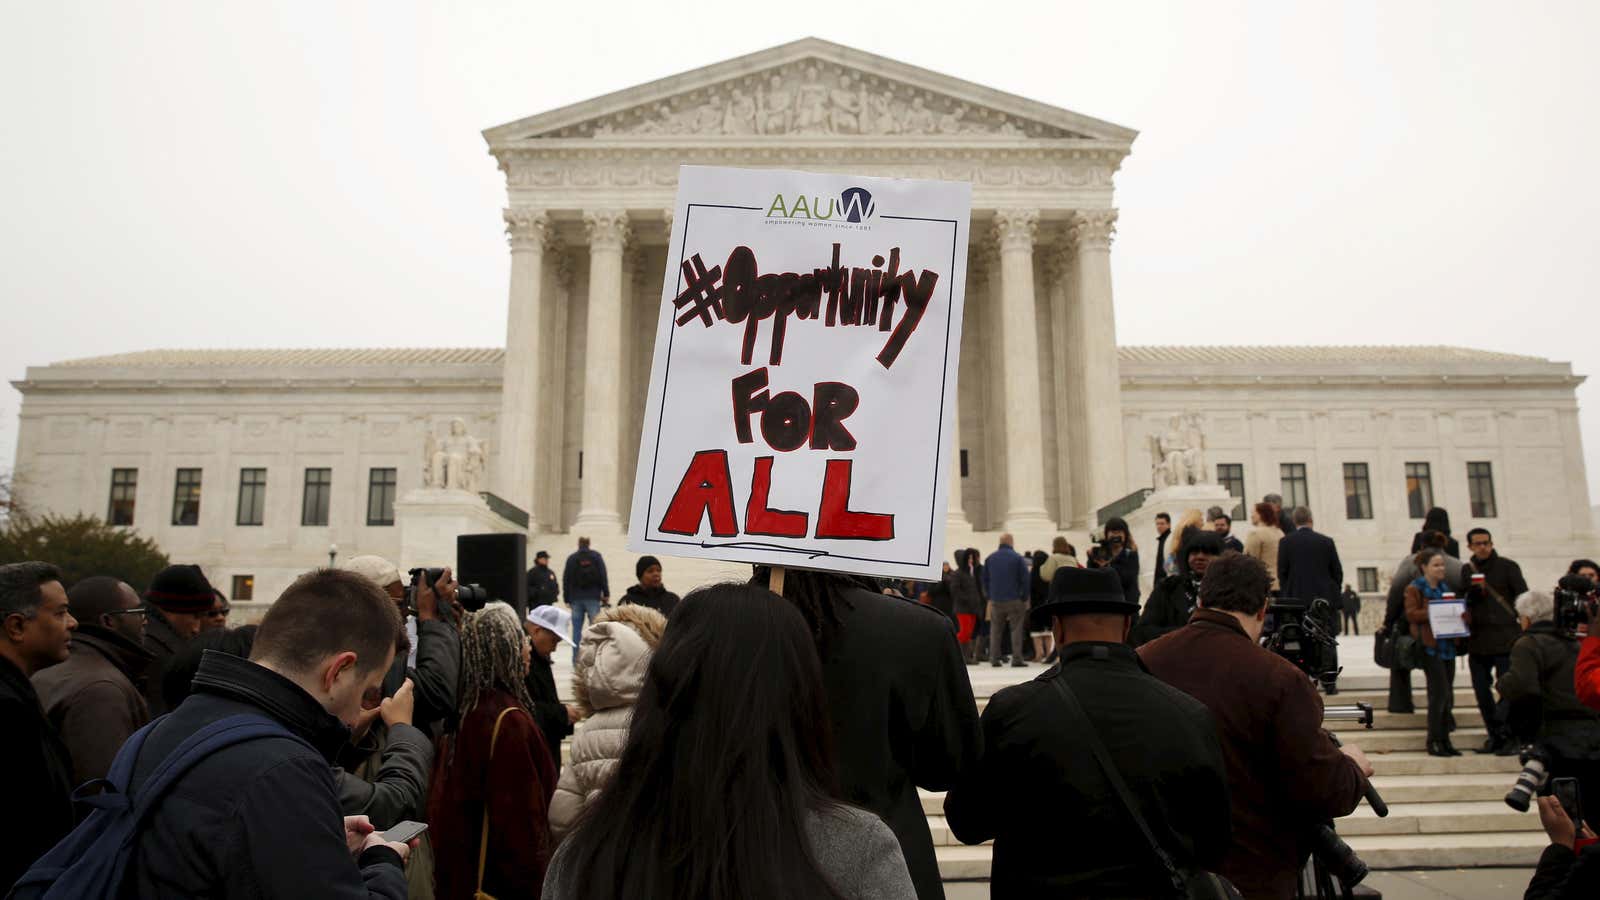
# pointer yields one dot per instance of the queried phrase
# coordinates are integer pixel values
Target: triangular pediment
(808, 89)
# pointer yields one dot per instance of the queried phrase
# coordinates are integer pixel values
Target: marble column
(528, 232)
(602, 399)
(1100, 385)
(1024, 440)
(1065, 365)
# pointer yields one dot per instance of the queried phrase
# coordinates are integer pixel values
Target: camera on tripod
(472, 597)
(1295, 631)
(1576, 599)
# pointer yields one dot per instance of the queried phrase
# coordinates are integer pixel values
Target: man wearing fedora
(177, 602)
(1076, 837)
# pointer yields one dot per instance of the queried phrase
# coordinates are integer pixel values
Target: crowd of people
(741, 742)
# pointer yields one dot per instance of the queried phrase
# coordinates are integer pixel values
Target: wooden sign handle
(775, 580)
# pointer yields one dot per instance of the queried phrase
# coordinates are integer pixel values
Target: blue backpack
(92, 860)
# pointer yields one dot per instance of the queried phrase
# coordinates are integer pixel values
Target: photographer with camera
(1121, 555)
(1176, 596)
(1287, 777)
(1544, 707)
(1569, 869)
(431, 612)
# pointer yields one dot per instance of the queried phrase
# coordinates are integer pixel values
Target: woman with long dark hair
(1437, 519)
(898, 696)
(726, 785)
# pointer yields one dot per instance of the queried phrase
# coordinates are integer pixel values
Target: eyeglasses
(135, 611)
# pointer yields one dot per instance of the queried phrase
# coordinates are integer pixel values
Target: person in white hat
(434, 663)
(547, 628)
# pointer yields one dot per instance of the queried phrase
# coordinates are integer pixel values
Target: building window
(963, 463)
(1419, 489)
(1295, 490)
(252, 496)
(124, 487)
(186, 498)
(1357, 491)
(1480, 488)
(314, 502)
(1231, 476)
(380, 497)
(244, 587)
(1367, 580)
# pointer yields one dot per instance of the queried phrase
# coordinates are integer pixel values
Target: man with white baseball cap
(547, 628)
(434, 664)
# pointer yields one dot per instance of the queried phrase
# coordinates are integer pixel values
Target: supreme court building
(252, 463)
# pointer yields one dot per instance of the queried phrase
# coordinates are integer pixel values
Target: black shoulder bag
(1194, 884)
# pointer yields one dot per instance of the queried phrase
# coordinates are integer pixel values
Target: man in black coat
(177, 601)
(1496, 583)
(903, 712)
(1163, 532)
(262, 818)
(1308, 562)
(35, 633)
(1073, 837)
(543, 588)
(547, 628)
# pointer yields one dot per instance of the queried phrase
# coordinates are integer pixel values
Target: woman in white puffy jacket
(612, 659)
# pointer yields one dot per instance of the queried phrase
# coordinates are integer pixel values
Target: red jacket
(519, 783)
(1586, 678)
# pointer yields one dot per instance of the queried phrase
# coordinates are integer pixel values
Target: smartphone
(405, 832)
(1571, 797)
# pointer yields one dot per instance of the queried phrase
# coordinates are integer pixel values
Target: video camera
(472, 597)
(1296, 631)
(1576, 600)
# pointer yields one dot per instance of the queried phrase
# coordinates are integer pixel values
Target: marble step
(1382, 851)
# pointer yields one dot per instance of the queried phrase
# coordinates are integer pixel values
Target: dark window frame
(316, 496)
(381, 489)
(1419, 489)
(1297, 474)
(247, 583)
(124, 495)
(1357, 490)
(252, 509)
(192, 479)
(1480, 489)
(1366, 575)
(1227, 480)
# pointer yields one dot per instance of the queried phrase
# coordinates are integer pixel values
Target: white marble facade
(1054, 419)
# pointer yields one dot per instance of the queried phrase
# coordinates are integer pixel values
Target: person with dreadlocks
(902, 707)
(493, 777)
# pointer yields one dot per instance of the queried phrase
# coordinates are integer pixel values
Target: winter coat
(543, 589)
(1564, 875)
(1284, 774)
(39, 778)
(163, 644)
(548, 710)
(1126, 565)
(1168, 609)
(964, 588)
(903, 716)
(658, 598)
(515, 782)
(1452, 546)
(1054, 562)
(939, 596)
(435, 677)
(1586, 677)
(584, 559)
(1407, 571)
(613, 658)
(1308, 566)
(386, 775)
(258, 819)
(1006, 575)
(1492, 611)
(1417, 615)
(1262, 543)
(1539, 687)
(91, 699)
(1072, 837)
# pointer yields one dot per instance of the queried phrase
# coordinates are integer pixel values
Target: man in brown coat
(92, 699)
(1285, 775)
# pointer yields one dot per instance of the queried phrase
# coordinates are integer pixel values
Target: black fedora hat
(1076, 590)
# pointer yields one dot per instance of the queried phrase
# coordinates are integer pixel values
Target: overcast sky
(186, 174)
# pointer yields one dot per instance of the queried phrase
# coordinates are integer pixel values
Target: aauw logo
(854, 205)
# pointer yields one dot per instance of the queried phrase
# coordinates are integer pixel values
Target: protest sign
(805, 372)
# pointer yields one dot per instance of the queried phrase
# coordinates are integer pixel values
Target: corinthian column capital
(1093, 228)
(608, 228)
(1014, 229)
(527, 229)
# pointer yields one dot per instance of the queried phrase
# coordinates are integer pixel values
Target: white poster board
(1447, 618)
(804, 374)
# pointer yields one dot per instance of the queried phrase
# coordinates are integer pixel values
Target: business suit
(1308, 569)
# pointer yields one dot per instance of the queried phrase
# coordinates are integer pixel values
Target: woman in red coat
(512, 767)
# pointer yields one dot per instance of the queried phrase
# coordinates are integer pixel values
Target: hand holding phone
(405, 832)
(1566, 791)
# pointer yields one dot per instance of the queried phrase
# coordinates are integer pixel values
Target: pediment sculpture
(810, 98)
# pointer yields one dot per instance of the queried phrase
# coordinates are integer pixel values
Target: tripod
(1334, 870)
